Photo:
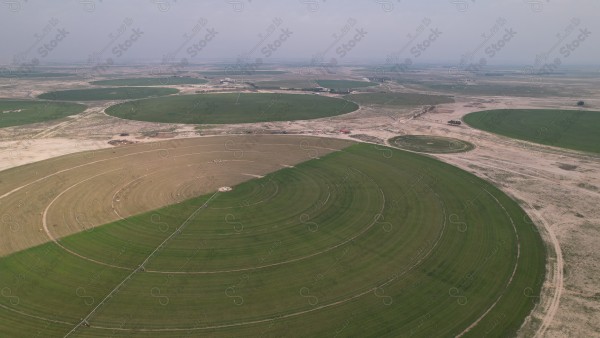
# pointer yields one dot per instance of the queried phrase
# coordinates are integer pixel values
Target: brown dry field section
(83, 190)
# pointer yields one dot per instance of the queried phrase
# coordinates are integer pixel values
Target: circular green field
(345, 84)
(19, 112)
(369, 241)
(431, 144)
(572, 129)
(150, 81)
(99, 94)
(231, 108)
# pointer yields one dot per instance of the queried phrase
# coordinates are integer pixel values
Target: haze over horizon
(523, 32)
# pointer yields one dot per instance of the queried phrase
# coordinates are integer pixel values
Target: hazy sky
(424, 31)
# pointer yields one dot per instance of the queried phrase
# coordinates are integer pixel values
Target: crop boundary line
(255, 203)
(56, 241)
(87, 258)
(511, 276)
(290, 315)
(147, 151)
(151, 173)
(141, 266)
(288, 261)
(178, 231)
(34, 316)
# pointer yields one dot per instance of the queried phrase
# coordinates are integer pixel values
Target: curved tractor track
(345, 237)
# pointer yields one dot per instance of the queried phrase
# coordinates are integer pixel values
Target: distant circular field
(19, 112)
(231, 108)
(233, 71)
(99, 94)
(572, 129)
(150, 81)
(353, 238)
(345, 84)
(431, 144)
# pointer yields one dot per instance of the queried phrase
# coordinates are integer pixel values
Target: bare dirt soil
(50, 199)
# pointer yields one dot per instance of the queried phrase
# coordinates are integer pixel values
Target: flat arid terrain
(152, 165)
(261, 168)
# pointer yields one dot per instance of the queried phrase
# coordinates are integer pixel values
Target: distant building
(345, 131)
(380, 79)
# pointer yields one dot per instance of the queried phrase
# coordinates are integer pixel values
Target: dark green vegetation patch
(231, 108)
(399, 99)
(488, 89)
(276, 84)
(572, 129)
(344, 84)
(19, 112)
(150, 81)
(241, 72)
(98, 94)
(431, 144)
(369, 240)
